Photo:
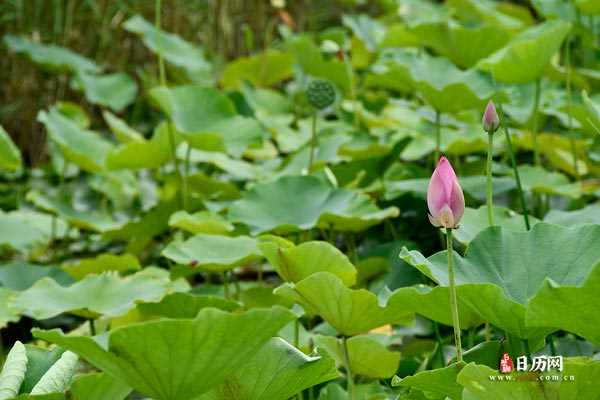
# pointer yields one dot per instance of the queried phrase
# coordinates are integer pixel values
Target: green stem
(534, 132)
(569, 108)
(490, 189)
(353, 97)
(487, 332)
(453, 301)
(438, 137)
(313, 143)
(347, 367)
(161, 61)
(513, 162)
(92, 327)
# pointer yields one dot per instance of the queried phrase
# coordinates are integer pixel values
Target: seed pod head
(445, 198)
(320, 93)
(490, 118)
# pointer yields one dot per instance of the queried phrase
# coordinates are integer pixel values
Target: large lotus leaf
(142, 153)
(434, 303)
(51, 57)
(277, 372)
(8, 312)
(98, 386)
(294, 263)
(115, 91)
(207, 118)
(58, 377)
(491, 12)
(201, 222)
(527, 55)
(213, 252)
(349, 311)
(39, 362)
(155, 357)
(370, 31)
(85, 148)
(238, 169)
(13, 371)
(106, 294)
(185, 305)
(123, 132)
(102, 263)
(443, 86)
(507, 268)
(310, 58)
(588, 6)
(477, 383)
(438, 383)
(26, 231)
(171, 47)
(368, 357)
(266, 207)
(10, 156)
(263, 69)
(96, 220)
(20, 275)
(587, 215)
(538, 180)
(464, 45)
(475, 220)
(568, 307)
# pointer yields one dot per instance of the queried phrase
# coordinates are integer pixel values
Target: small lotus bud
(490, 118)
(445, 198)
(320, 93)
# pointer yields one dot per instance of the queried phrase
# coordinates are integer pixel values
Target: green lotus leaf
(527, 55)
(26, 231)
(368, 30)
(475, 220)
(266, 207)
(13, 371)
(277, 372)
(538, 180)
(19, 275)
(59, 375)
(102, 263)
(52, 396)
(503, 269)
(238, 169)
(51, 57)
(437, 383)
(294, 263)
(568, 307)
(262, 69)
(212, 188)
(213, 252)
(587, 215)
(10, 156)
(98, 386)
(443, 86)
(207, 118)
(95, 220)
(123, 132)
(349, 311)
(8, 313)
(368, 357)
(491, 12)
(588, 6)
(172, 48)
(115, 91)
(155, 358)
(39, 362)
(464, 45)
(200, 222)
(185, 305)
(85, 148)
(141, 153)
(105, 294)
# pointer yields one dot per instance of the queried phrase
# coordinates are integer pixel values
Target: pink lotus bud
(490, 118)
(445, 197)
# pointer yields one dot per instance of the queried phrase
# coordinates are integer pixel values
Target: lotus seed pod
(320, 93)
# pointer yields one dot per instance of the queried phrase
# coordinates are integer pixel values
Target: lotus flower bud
(490, 118)
(445, 198)
(320, 93)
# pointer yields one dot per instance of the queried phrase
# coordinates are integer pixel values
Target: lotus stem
(313, 143)
(513, 162)
(534, 131)
(570, 109)
(92, 327)
(453, 301)
(438, 339)
(438, 137)
(490, 189)
(347, 367)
